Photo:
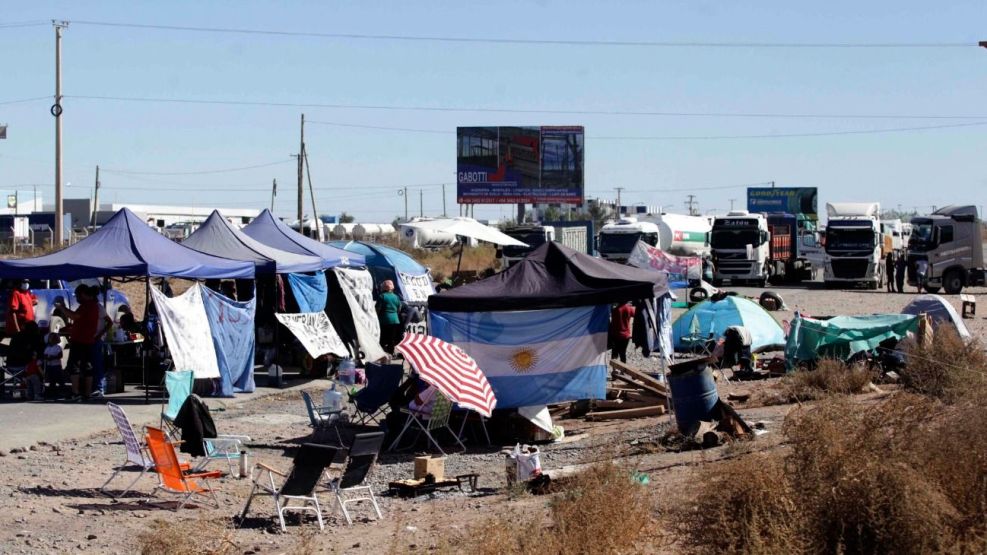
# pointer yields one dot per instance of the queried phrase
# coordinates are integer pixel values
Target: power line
(198, 172)
(33, 23)
(412, 108)
(545, 42)
(20, 100)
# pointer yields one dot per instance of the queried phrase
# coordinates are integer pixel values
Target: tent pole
(459, 264)
(147, 301)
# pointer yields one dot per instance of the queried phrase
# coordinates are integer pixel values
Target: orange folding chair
(173, 476)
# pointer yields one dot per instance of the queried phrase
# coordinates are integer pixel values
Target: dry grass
(947, 369)
(442, 263)
(200, 537)
(601, 510)
(907, 475)
(828, 378)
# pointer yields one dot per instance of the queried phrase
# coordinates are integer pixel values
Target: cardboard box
(430, 464)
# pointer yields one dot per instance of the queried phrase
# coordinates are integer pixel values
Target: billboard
(790, 200)
(508, 165)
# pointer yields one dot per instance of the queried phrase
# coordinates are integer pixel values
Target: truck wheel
(762, 282)
(717, 283)
(952, 282)
(931, 289)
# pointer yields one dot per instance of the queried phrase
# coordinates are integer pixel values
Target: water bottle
(333, 400)
(245, 469)
(347, 371)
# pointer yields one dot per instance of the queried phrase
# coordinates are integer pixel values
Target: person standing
(53, 364)
(621, 320)
(103, 325)
(389, 312)
(900, 269)
(82, 337)
(889, 269)
(20, 307)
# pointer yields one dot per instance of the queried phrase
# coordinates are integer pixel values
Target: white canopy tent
(468, 227)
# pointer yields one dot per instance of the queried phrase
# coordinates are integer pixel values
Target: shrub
(828, 377)
(200, 537)
(947, 368)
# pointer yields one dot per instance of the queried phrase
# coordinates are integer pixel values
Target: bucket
(693, 394)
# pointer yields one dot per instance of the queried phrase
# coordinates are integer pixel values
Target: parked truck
(854, 245)
(950, 244)
(617, 239)
(672, 233)
(790, 249)
(740, 243)
(536, 235)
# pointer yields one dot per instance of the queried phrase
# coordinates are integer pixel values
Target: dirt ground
(50, 502)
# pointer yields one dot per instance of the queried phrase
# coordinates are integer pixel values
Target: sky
(173, 149)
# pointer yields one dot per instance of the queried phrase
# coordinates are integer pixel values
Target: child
(53, 363)
(35, 387)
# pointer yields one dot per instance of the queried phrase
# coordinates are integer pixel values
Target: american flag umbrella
(450, 370)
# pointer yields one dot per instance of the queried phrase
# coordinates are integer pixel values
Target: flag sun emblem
(523, 360)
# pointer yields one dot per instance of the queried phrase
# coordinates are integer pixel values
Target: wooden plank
(625, 413)
(638, 375)
(640, 385)
(646, 397)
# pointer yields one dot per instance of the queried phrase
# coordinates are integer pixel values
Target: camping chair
(439, 418)
(696, 341)
(362, 458)
(466, 416)
(383, 380)
(321, 418)
(172, 479)
(307, 471)
(134, 449)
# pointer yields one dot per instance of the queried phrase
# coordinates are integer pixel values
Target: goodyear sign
(789, 200)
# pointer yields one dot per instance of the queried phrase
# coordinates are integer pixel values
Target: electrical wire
(32, 23)
(21, 100)
(543, 42)
(197, 172)
(412, 108)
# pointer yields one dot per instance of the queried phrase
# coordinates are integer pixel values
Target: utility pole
(274, 193)
(92, 221)
(443, 200)
(56, 110)
(619, 211)
(691, 205)
(731, 203)
(404, 193)
(311, 190)
(421, 203)
(301, 161)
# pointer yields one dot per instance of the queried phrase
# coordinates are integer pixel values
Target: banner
(310, 291)
(357, 286)
(186, 328)
(416, 289)
(679, 268)
(315, 332)
(533, 357)
(232, 326)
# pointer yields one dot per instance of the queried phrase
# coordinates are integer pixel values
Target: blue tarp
(310, 291)
(216, 236)
(232, 326)
(385, 262)
(125, 246)
(274, 233)
(710, 319)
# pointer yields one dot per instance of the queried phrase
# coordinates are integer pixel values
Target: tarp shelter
(553, 276)
(413, 281)
(216, 236)
(710, 319)
(274, 233)
(126, 247)
(939, 310)
(844, 336)
(468, 227)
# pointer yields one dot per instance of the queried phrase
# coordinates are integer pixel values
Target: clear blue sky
(359, 170)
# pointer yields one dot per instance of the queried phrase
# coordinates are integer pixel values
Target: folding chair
(300, 483)
(362, 458)
(466, 416)
(383, 380)
(321, 418)
(226, 447)
(12, 381)
(439, 418)
(172, 479)
(134, 449)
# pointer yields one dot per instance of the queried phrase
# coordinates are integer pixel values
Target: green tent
(844, 336)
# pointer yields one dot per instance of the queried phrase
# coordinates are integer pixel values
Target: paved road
(25, 423)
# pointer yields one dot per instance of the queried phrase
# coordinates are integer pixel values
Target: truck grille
(742, 267)
(850, 269)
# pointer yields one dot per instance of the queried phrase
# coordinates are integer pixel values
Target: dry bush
(828, 377)
(200, 537)
(948, 368)
(744, 505)
(442, 263)
(601, 511)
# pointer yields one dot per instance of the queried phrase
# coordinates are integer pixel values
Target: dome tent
(712, 318)
(940, 310)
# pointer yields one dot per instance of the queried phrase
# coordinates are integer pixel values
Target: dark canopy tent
(553, 276)
(126, 247)
(274, 233)
(216, 236)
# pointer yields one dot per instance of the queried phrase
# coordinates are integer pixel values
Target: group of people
(896, 270)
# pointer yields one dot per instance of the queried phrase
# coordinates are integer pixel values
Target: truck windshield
(735, 238)
(922, 237)
(849, 238)
(534, 239)
(624, 242)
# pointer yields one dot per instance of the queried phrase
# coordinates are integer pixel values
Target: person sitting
(127, 321)
(737, 349)
(23, 344)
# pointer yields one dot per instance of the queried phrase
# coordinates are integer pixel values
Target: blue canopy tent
(216, 236)
(274, 233)
(126, 247)
(396, 265)
(710, 319)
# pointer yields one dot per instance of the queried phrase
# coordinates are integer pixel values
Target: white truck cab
(854, 245)
(740, 244)
(617, 239)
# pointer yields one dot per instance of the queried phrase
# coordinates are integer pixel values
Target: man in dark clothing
(621, 318)
(900, 267)
(889, 268)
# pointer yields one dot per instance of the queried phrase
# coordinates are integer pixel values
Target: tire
(952, 282)
(762, 282)
(717, 282)
(931, 289)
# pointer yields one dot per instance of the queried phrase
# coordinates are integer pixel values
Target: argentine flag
(533, 357)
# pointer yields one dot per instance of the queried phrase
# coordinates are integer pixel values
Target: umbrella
(450, 370)
(468, 227)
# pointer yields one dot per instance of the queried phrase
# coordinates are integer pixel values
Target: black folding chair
(307, 471)
(362, 458)
(383, 380)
